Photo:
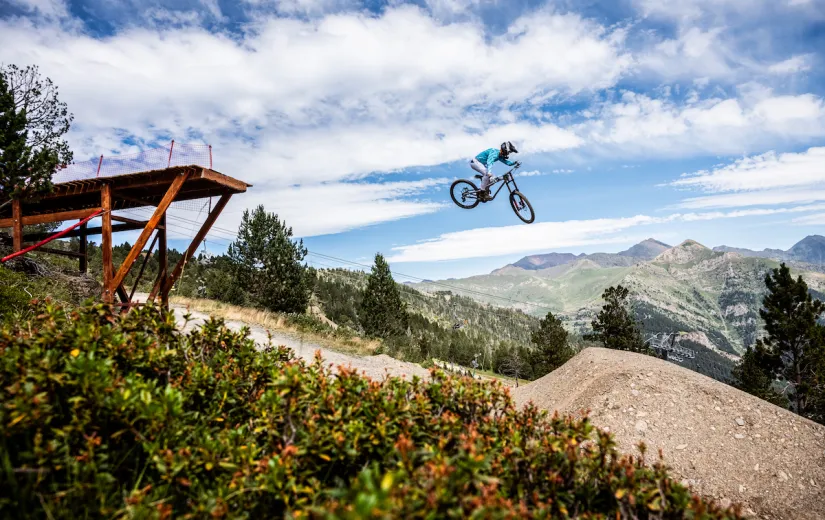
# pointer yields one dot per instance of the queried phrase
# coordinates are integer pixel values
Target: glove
(517, 164)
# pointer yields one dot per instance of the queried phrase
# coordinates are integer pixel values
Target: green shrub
(13, 296)
(126, 416)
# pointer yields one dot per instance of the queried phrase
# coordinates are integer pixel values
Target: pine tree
(753, 374)
(32, 125)
(614, 326)
(266, 263)
(552, 346)
(794, 344)
(382, 313)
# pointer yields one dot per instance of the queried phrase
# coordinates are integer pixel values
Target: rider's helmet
(506, 148)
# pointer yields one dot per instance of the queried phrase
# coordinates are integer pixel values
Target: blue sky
(700, 119)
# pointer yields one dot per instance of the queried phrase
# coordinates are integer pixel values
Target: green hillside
(712, 295)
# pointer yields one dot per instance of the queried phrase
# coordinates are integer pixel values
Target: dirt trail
(723, 442)
(375, 367)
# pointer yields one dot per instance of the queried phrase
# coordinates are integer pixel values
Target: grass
(319, 332)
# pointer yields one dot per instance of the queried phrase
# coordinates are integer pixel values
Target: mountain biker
(483, 162)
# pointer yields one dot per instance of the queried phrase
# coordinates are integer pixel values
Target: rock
(740, 421)
(756, 468)
(641, 414)
(741, 488)
(717, 409)
(739, 436)
(725, 503)
(782, 476)
(681, 447)
(641, 426)
(634, 392)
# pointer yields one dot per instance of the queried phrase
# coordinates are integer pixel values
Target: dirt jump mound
(724, 443)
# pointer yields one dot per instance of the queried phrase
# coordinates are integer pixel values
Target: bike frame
(507, 178)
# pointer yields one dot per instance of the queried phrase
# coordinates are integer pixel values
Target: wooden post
(163, 259)
(84, 247)
(17, 225)
(106, 242)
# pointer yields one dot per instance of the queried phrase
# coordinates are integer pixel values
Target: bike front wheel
(464, 193)
(522, 207)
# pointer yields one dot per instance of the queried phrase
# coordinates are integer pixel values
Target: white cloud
(308, 7)
(336, 207)
(817, 219)
(46, 8)
(543, 236)
(535, 173)
(762, 172)
(754, 198)
(293, 83)
(712, 11)
(547, 236)
(792, 65)
(694, 53)
(638, 124)
(448, 9)
(321, 100)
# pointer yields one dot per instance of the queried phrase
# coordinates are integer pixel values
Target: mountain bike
(467, 195)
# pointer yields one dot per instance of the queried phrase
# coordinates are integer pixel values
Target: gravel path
(375, 367)
(723, 442)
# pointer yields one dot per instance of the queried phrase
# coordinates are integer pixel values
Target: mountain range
(711, 297)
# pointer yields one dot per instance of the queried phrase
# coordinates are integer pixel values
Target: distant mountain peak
(646, 249)
(810, 249)
(686, 252)
(692, 244)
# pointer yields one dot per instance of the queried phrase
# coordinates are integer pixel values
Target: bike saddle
(478, 177)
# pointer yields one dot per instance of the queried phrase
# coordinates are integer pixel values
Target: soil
(722, 442)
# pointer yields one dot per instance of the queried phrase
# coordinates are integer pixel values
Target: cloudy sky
(672, 119)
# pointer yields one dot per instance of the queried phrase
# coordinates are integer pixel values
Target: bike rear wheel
(522, 207)
(464, 193)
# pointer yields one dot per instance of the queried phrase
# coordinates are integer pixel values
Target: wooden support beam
(16, 225)
(84, 248)
(106, 245)
(163, 265)
(47, 218)
(196, 242)
(60, 252)
(173, 190)
(124, 297)
(229, 182)
(128, 220)
(116, 228)
(143, 266)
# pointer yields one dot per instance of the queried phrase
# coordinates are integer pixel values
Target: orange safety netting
(176, 154)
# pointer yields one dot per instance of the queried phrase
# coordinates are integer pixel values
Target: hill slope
(713, 296)
(725, 443)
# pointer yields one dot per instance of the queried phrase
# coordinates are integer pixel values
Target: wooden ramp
(77, 200)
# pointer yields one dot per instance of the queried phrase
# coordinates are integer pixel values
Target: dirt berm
(721, 441)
